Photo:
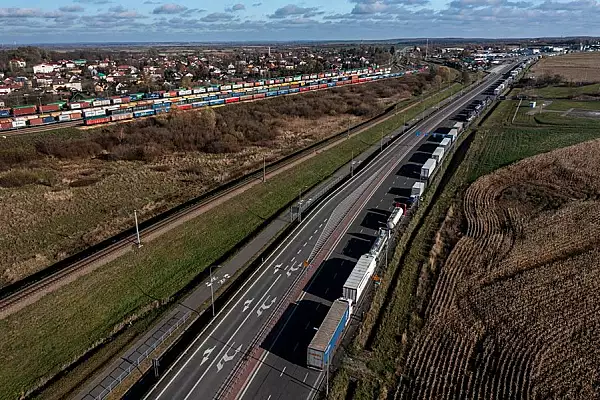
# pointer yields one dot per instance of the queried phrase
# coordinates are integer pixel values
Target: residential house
(17, 63)
(44, 68)
(5, 90)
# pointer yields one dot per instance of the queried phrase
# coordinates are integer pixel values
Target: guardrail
(138, 361)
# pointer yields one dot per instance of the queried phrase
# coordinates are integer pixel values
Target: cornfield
(515, 313)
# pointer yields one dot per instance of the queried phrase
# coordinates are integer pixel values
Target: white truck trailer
(428, 168)
(359, 278)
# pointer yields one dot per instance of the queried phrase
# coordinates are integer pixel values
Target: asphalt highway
(281, 373)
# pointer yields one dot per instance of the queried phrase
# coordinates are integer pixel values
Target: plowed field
(515, 312)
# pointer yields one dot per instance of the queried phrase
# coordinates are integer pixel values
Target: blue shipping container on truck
(321, 348)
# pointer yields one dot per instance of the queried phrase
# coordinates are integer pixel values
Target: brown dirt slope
(515, 313)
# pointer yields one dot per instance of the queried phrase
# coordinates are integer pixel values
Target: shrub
(18, 178)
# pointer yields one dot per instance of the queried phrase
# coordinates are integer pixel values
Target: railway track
(18, 293)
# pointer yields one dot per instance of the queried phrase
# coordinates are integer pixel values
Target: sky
(97, 21)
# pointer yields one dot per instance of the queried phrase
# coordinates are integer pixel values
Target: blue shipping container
(282, 92)
(296, 90)
(5, 113)
(331, 84)
(271, 94)
(48, 120)
(217, 101)
(200, 104)
(323, 344)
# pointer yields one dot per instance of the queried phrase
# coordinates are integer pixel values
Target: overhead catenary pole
(212, 295)
(264, 169)
(137, 229)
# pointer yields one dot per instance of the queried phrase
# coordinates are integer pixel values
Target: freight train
(137, 105)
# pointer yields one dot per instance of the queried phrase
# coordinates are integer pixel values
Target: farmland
(576, 67)
(64, 325)
(49, 182)
(496, 292)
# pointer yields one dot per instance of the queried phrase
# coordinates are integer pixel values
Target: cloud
(21, 12)
(293, 10)
(152, 2)
(169, 9)
(117, 9)
(93, 1)
(470, 4)
(256, 4)
(71, 9)
(215, 17)
(236, 7)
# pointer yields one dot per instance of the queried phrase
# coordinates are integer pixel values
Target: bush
(18, 178)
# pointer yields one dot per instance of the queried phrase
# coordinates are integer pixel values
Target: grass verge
(44, 338)
(496, 143)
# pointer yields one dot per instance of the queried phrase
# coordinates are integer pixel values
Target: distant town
(31, 75)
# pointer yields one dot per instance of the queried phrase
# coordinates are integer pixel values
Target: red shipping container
(259, 96)
(36, 121)
(185, 107)
(24, 110)
(5, 126)
(323, 86)
(362, 80)
(75, 115)
(232, 100)
(304, 89)
(173, 93)
(49, 108)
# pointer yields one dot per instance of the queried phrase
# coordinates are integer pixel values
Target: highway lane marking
(293, 258)
(319, 227)
(316, 230)
(247, 304)
(298, 251)
(277, 267)
(206, 354)
(282, 371)
(361, 231)
(305, 376)
(295, 347)
(307, 325)
(269, 398)
(334, 275)
(304, 245)
(227, 357)
(310, 238)
(226, 345)
(265, 307)
(292, 269)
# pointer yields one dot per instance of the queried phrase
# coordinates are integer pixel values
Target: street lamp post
(137, 229)
(212, 295)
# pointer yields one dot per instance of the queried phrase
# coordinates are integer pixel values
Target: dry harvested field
(576, 67)
(62, 192)
(515, 312)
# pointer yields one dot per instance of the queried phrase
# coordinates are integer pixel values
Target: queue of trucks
(323, 344)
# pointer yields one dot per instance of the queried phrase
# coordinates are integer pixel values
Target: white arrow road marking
(227, 357)
(277, 268)
(206, 354)
(292, 269)
(226, 344)
(264, 306)
(247, 304)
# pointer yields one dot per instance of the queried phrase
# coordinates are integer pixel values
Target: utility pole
(137, 229)
(212, 295)
(264, 170)
(352, 165)
(300, 205)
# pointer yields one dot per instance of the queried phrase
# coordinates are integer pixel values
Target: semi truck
(428, 168)
(321, 348)
(359, 277)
